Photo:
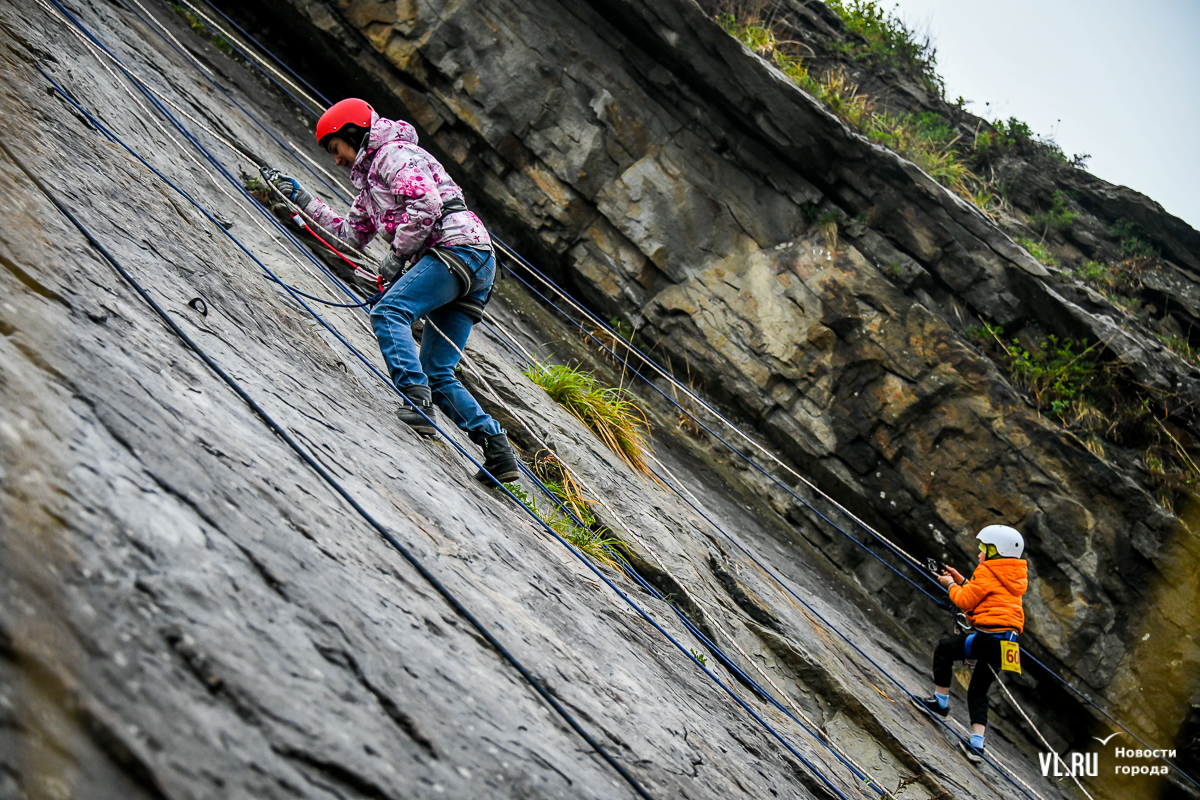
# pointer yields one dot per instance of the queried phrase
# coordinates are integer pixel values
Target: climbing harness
(282, 433)
(599, 324)
(687, 391)
(99, 126)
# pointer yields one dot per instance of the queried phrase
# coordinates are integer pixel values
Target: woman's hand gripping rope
(278, 183)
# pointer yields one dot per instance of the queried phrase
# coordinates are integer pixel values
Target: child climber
(992, 602)
(440, 265)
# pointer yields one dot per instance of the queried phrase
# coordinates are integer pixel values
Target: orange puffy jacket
(992, 597)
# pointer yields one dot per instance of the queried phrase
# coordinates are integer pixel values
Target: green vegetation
(1038, 251)
(928, 142)
(1099, 401)
(888, 41)
(1057, 375)
(199, 27)
(1016, 137)
(1058, 218)
(1180, 346)
(1117, 282)
(606, 410)
(882, 39)
(623, 329)
(925, 139)
(703, 659)
(1007, 136)
(555, 476)
(1132, 245)
(758, 37)
(595, 543)
(1095, 273)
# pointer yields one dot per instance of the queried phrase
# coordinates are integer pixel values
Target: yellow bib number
(1010, 657)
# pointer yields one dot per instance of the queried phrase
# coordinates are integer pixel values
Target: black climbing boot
(931, 705)
(499, 460)
(423, 400)
(974, 755)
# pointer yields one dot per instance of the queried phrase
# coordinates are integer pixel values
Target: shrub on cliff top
(1038, 251)
(925, 139)
(889, 41)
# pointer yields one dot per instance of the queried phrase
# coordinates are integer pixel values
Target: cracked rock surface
(188, 610)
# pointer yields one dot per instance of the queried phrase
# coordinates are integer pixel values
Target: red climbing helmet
(350, 111)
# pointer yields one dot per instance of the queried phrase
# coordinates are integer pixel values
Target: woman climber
(992, 602)
(440, 265)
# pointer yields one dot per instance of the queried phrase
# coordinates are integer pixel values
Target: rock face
(665, 170)
(189, 611)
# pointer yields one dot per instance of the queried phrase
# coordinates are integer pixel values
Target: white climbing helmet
(1008, 541)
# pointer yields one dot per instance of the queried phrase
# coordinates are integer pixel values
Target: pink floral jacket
(401, 192)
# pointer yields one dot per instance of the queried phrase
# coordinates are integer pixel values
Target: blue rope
(271, 276)
(273, 57)
(718, 437)
(191, 61)
(674, 402)
(649, 588)
(387, 535)
(833, 627)
(370, 301)
(939, 601)
(504, 341)
(528, 265)
(153, 100)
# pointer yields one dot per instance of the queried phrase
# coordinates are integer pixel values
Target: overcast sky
(1120, 81)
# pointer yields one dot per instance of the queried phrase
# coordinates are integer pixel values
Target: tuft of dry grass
(555, 476)
(595, 543)
(606, 410)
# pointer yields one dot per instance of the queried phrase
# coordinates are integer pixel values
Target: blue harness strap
(1008, 636)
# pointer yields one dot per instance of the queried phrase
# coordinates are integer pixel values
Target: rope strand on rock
(696, 398)
(450, 598)
(688, 392)
(815, 730)
(270, 275)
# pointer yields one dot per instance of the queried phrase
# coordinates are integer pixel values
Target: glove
(392, 267)
(290, 187)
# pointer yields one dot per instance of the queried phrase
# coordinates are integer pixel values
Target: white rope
(1028, 721)
(178, 44)
(642, 543)
(249, 51)
(681, 387)
(147, 114)
(495, 323)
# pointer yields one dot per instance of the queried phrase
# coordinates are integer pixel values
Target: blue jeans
(426, 290)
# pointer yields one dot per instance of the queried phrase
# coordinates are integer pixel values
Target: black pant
(984, 649)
